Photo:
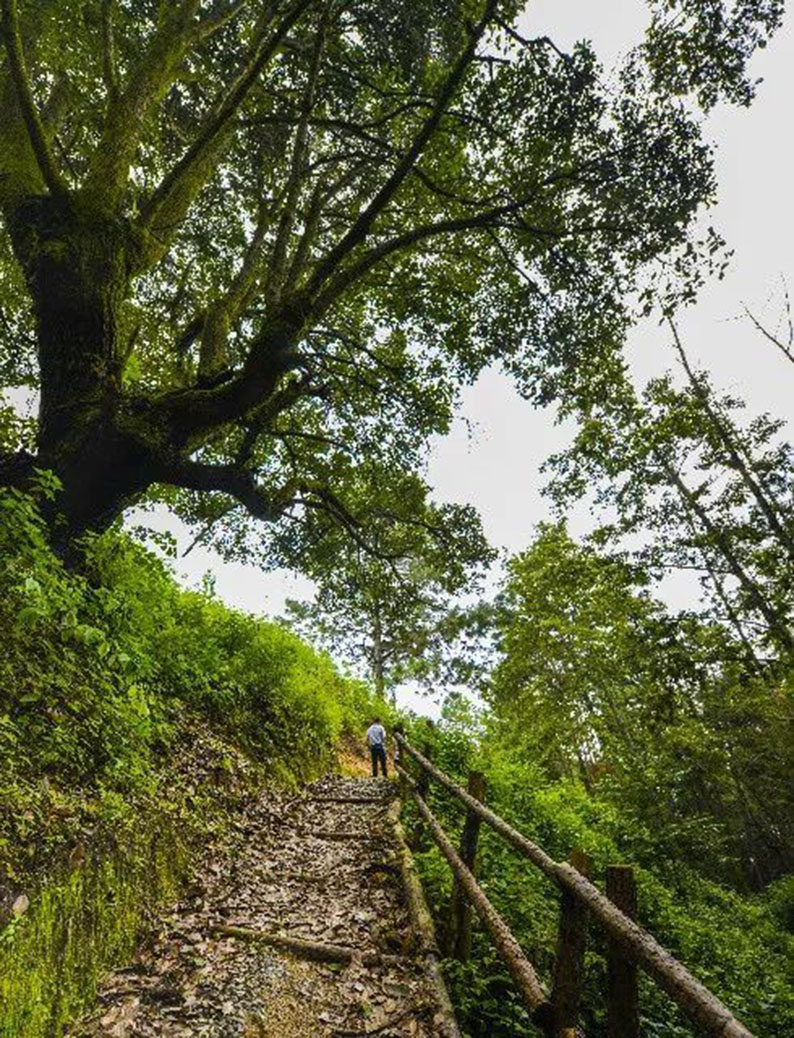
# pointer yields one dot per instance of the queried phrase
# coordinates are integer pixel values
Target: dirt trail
(312, 867)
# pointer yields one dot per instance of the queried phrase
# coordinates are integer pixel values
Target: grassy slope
(135, 718)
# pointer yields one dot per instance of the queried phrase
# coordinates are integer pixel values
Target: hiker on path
(376, 740)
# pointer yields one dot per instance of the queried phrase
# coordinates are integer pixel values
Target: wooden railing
(629, 946)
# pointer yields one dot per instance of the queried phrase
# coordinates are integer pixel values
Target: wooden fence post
(623, 1013)
(566, 992)
(400, 761)
(416, 841)
(458, 943)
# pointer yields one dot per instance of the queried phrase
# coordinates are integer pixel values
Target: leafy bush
(101, 670)
(135, 719)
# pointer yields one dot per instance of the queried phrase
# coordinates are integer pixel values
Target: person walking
(376, 740)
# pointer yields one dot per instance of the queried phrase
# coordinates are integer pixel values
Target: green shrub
(96, 665)
(128, 706)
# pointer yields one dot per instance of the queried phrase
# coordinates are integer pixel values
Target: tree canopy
(659, 712)
(387, 606)
(698, 488)
(251, 250)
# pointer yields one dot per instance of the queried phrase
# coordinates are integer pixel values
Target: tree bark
(75, 263)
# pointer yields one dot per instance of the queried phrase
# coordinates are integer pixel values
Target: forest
(254, 254)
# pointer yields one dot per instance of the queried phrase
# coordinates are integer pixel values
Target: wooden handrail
(702, 1007)
(521, 969)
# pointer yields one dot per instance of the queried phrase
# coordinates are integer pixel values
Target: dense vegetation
(638, 733)
(648, 708)
(134, 719)
(737, 941)
(250, 254)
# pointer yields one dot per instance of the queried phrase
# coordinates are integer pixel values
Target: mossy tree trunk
(76, 264)
(80, 246)
(81, 242)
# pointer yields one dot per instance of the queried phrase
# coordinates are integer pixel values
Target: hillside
(137, 721)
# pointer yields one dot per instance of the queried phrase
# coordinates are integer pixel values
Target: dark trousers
(378, 753)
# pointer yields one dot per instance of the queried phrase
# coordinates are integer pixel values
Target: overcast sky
(497, 468)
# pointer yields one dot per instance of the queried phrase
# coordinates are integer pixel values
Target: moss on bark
(83, 923)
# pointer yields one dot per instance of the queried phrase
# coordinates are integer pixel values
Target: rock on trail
(322, 867)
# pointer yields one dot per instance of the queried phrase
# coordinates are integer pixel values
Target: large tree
(386, 608)
(658, 712)
(252, 248)
(690, 485)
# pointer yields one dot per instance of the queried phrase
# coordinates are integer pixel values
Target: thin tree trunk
(768, 505)
(755, 664)
(777, 624)
(378, 664)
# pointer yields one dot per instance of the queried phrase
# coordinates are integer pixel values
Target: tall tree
(387, 609)
(576, 632)
(700, 489)
(596, 681)
(248, 244)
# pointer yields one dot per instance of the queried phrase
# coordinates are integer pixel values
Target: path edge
(422, 922)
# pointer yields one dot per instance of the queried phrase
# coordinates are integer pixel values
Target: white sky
(497, 469)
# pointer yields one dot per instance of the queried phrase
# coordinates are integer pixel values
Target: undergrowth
(740, 945)
(135, 718)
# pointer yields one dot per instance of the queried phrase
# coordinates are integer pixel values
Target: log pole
(417, 840)
(424, 928)
(566, 994)
(519, 967)
(623, 1015)
(458, 944)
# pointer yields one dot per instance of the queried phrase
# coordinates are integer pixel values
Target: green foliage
(739, 945)
(689, 483)
(97, 665)
(705, 48)
(134, 716)
(635, 735)
(650, 709)
(53, 957)
(386, 604)
(283, 238)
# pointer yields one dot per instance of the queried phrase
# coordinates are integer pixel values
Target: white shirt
(376, 735)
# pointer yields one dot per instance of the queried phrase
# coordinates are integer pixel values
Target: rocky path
(323, 867)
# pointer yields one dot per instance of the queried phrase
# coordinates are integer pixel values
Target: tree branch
(207, 528)
(33, 123)
(164, 211)
(221, 315)
(484, 221)
(776, 516)
(324, 500)
(717, 538)
(225, 479)
(351, 274)
(363, 224)
(213, 22)
(311, 226)
(296, 389)
(109, 65)
(787, 351)
(297, 173)
(127, 113)
(192, 413)
(537, 41)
